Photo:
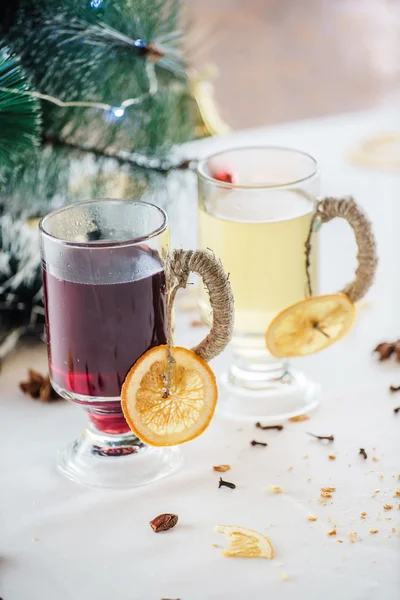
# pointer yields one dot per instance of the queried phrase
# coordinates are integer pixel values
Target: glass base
(289, 395)
(99, 459)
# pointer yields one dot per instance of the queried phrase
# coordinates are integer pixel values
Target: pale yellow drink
(263, 253)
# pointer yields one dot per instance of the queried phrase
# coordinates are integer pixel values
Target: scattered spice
(339, 541)
(394, 388)
(332, 532)
(277, 427)
(386, 349)
(375, 458)
(222, 468)
(254, 443)
(275, 489)
(163, 522)
(363, 453)
(38, 387)
(373, 530)
(305, 456)
(397, 493)
(290, 468)
(328, 489)
(353, 537)
(330, 438)
(363, 515)
(381, 476)
(299, 418)
(396, 410)
(312, 518)
(388, 506)
(377, 491)
(393, 529)
(284, 576)
(326, 494)
(227, 484)
(332, 456)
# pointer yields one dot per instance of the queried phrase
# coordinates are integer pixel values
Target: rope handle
(180, 264)
(346, 208)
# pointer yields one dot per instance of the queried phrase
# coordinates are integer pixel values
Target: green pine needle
(19, 114)
(77, 52)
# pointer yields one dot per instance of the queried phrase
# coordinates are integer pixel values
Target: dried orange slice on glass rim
(161, 419)
(310, 325)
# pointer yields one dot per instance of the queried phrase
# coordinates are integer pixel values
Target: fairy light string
(117, 111)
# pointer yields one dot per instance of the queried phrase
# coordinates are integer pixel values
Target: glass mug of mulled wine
(258, 207)
(105, 301)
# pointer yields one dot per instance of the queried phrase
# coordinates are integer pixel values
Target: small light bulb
(118, 111)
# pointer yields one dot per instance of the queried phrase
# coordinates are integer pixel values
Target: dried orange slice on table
(246, 543)
(310, 325)
(166, 420)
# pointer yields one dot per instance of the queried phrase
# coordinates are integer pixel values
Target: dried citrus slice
(310, 325)
(161, 420)
(246, 543)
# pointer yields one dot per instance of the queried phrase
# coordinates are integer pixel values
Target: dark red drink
(96, 331)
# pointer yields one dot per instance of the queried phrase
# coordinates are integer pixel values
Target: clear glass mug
(105, 303)
(256, 207)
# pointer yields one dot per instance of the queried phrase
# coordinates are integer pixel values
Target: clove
(318, 328)
(394, 388)
(363, 453)
(330, 438)
(254, 443)
(396, 410)
(227, 484)
(277, 427)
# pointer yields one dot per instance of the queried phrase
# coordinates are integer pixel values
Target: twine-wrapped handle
(180, 264)
(346, 208)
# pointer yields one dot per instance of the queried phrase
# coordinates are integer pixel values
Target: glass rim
(260, 186)
(104, 243)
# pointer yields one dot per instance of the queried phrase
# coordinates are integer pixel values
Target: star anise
(386, 349)
(39, 387)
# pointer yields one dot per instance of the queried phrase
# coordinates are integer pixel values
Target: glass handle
(203, 262)
(348, 209)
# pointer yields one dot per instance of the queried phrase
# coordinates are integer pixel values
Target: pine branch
(100, 35)
(78, 53)
(135, 159)
(19, 115)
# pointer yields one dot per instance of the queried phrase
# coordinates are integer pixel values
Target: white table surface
(59, 541)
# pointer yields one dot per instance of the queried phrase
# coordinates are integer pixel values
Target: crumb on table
(332, 532)
(299, 418)
(326, 494)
